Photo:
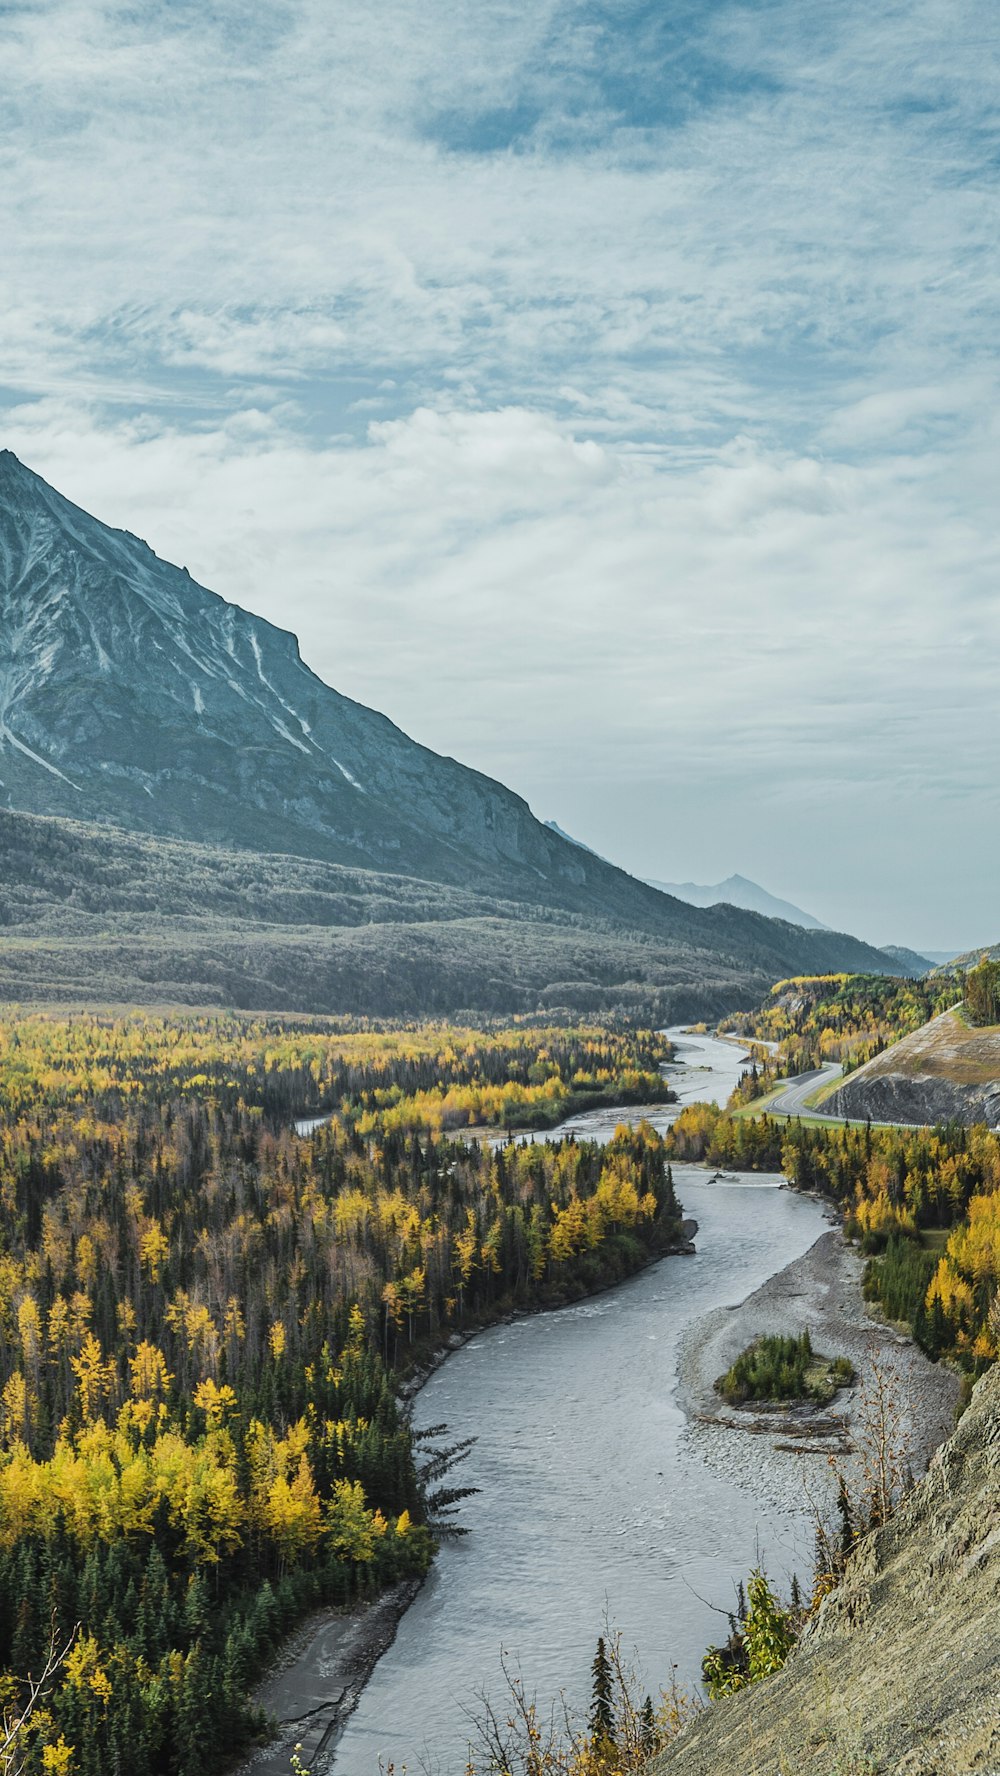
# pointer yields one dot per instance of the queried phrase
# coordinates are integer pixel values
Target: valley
(324, 1060)
(499, 1208)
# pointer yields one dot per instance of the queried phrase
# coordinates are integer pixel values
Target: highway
(792, 1100)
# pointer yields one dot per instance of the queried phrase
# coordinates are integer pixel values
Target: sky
(605, 391)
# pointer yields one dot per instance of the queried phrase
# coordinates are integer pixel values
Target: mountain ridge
(739, 891)
(134, 699)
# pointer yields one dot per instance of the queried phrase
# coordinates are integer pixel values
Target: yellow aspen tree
(214, 1401)
(154, 1250)
(95, 1376)
(149, 1376)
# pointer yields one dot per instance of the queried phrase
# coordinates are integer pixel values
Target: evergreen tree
(602, 1712)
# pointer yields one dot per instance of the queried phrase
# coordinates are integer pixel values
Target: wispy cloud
(606, 392)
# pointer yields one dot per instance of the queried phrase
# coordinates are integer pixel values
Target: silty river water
(595, 1497)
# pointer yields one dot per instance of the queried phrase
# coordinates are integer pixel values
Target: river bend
(594, 1494)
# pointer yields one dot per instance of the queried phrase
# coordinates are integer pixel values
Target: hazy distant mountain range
(177, 745)
(738, 891)
(915, 962)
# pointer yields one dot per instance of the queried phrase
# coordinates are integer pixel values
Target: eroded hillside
(899, 1673)
(946, 1070)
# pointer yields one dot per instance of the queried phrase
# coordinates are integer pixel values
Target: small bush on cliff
(761, 1641)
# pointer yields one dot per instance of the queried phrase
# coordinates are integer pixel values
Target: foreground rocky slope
(899, 1673)
(946, 1070)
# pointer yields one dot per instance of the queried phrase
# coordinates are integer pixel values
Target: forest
(777, 1366)
(93, 915)
(836, 1017)
(201, 1314)
(923, 1203)
(982, 993)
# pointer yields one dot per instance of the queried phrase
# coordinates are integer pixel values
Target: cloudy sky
(608, 392)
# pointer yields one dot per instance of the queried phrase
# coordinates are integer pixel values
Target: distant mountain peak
(740, 891)
(553, 826)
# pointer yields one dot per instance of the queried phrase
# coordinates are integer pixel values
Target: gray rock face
(898, 1672)
(129, 692)
(945, 1071)
(896, 1097)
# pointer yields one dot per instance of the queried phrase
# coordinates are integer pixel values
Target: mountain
(553, 826)
(910, 960)
(134, 701)
(967, 959)
(739, 892)
(129, 692)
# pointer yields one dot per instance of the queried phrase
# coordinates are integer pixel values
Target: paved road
(792, 1101)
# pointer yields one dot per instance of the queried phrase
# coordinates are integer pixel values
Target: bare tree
(17, 1715)
(868, 1492)
(884, 1444)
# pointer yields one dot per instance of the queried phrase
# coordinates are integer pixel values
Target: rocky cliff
(945, 1071)
(899, 1673)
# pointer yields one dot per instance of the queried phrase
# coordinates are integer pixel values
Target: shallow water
(594, 1495)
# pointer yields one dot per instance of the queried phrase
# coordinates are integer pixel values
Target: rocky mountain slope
(129, 692)
(944, 1070)
(899, 1673)
(132, 697)
(915, 964)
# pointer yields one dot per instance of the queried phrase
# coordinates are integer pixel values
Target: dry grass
(946, 1048)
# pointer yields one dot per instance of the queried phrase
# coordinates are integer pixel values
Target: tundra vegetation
(201, 1315)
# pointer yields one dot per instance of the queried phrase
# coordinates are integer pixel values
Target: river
(595, 1496)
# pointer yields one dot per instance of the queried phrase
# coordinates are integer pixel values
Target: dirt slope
(899, 1674)
(944, 1070)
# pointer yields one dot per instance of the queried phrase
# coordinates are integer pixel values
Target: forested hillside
(92, 914)
(807, 1021)
(924, 1203)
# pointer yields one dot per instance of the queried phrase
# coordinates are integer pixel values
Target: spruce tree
(602, 1714)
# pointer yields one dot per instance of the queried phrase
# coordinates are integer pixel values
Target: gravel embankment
(821, 1292)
